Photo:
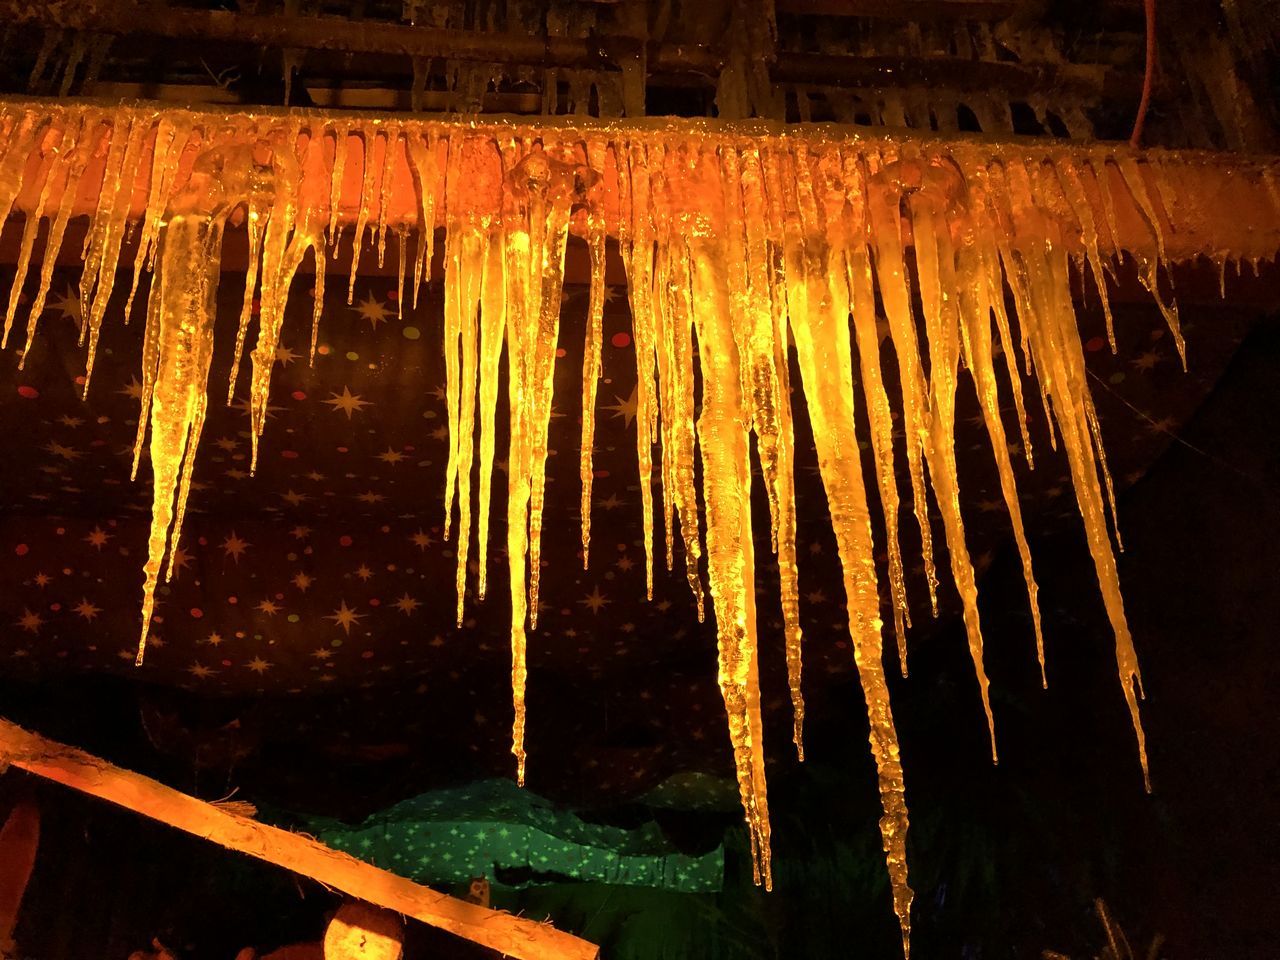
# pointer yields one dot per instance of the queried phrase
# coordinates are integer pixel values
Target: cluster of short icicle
(746, 243)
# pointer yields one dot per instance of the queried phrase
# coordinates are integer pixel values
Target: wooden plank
(514, 936)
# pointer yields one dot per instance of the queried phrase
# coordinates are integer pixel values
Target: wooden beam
(511, 935)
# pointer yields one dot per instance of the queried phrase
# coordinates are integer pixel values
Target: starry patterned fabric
(328, 574)
(486, 828)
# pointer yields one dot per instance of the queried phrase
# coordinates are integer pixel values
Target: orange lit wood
(514, 936)
(1201, 217)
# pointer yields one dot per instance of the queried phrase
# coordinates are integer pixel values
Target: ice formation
(748, 240)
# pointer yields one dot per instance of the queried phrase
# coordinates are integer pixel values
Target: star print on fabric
(86, 609)
(624, 408)
(302, 581)
(97, 537)
(300, 533)
(370, 497)
(179, 560)
(371, 309)
(200, 671)
(285, 356)
(293, 498)
(421, 540)
(31, 622)
(66, 453)
(71, 422)
(132, 389)
(258, 665)
(348, 402)
(407, 604)
(234, 547)
(42, 580)
(391, 457)
(245, 406)
(344, 617)
(69, 306)
(269, 607)
(364, 573)
(214, 640)
(595, 601)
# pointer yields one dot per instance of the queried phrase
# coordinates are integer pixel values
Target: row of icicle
(748, 246)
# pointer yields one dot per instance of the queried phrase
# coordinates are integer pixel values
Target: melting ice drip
(744, 241)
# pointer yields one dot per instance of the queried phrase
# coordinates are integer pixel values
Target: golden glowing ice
(738, 245)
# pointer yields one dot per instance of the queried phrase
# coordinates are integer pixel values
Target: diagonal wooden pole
(511, 935)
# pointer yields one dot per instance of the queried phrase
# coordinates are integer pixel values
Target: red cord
(1135, 139)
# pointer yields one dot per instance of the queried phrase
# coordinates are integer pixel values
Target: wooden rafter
(511, 935)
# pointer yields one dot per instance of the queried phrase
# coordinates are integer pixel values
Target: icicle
(726, 481)
(466, 253)
(673, 316)
(879, 414)
(1074, 188)
(106, 230)
(386, 180)
(337, 178)
(45, 176)
(591, 347)
(284, 244)
(937, 192)
(640, 288)
(821, 335)
(426, 175)
(80, 153)
(171, 138)
(1131, 174)
(259, 207)
(762, 346)
(975, 315)
(179, 337)
(883, 209)
(492, 333)
(541, 190)
(368, 142)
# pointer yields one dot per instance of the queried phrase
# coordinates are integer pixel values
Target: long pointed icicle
(821, 336)
(724, 446)
(884, 211)
(762, 345)
(591, 348)
(180, 322)
(975, 273)
(640, 281)
(853, 227)
(493, 322)
(935, 196)
(46, 175)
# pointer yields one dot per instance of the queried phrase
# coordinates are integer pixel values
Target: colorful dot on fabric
(352, 355)
(196, 613)
(411, 333)
(344, 540)
(621, 340)
(299, 395)
(1094, 344)
(22, 549)
(28, 393)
